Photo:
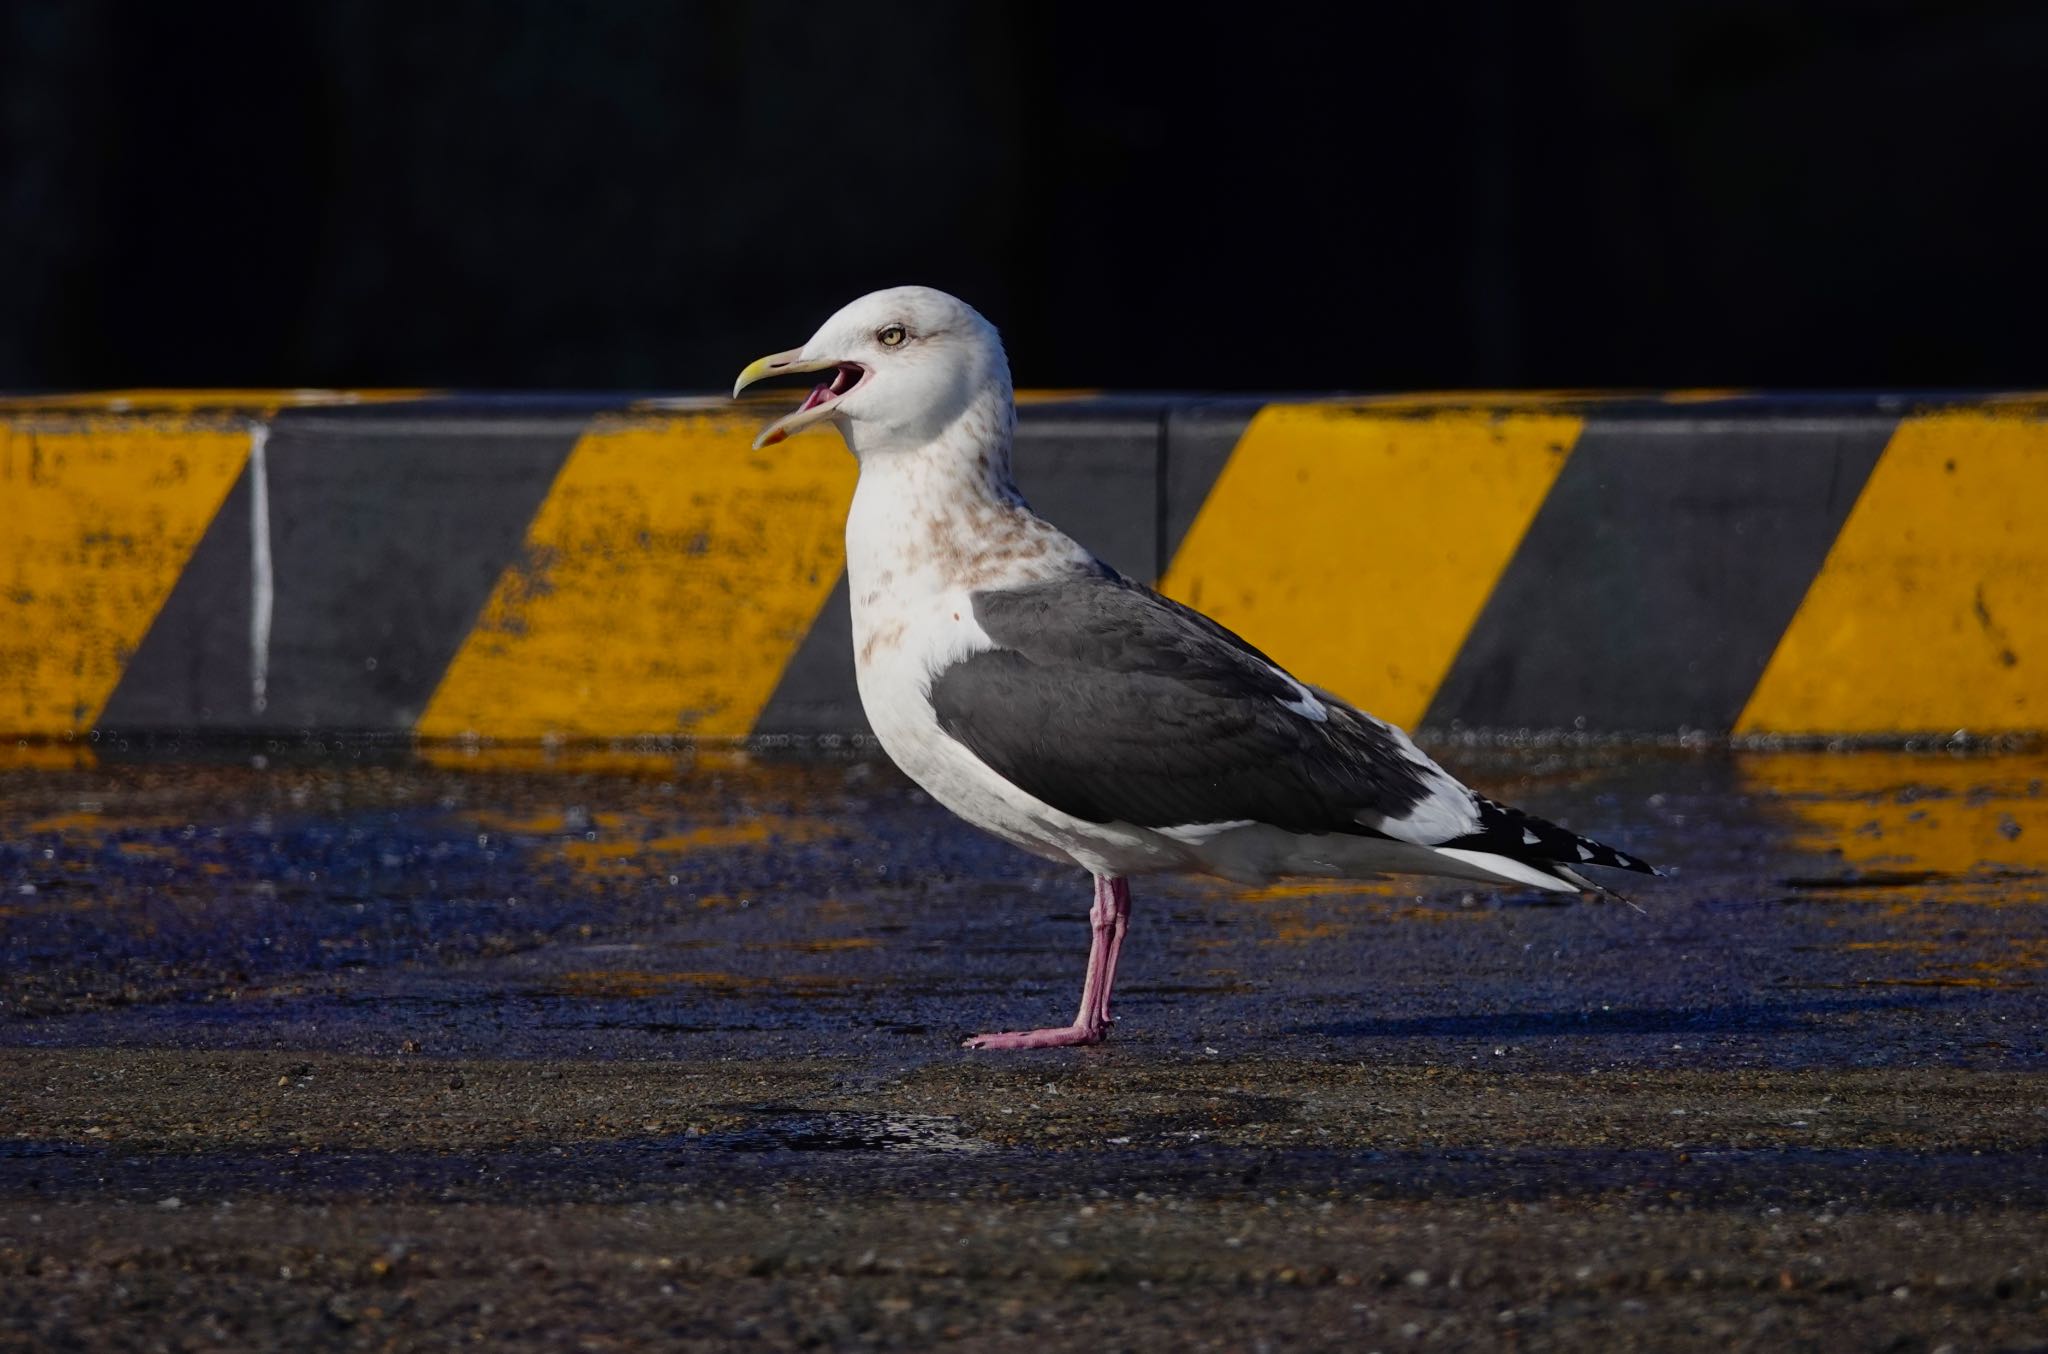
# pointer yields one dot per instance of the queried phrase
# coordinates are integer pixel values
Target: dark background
(491, 194)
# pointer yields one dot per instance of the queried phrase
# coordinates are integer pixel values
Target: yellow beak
(785, 364)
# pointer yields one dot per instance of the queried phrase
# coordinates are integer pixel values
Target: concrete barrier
(526, 569)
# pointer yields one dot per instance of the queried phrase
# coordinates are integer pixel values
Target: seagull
(1047, 699)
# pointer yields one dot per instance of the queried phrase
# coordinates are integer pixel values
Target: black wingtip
(1536, 841)
(1571, 876)
(1621, 860)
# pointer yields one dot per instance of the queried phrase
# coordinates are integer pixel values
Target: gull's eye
(892, 336)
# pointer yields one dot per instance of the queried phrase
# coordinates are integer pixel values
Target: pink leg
(1119, 922)
(1108, 920)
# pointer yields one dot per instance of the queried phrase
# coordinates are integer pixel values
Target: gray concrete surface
(620, 1053)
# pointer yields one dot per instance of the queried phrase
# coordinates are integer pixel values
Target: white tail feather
(1514, 871)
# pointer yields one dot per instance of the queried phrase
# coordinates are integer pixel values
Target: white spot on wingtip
(1530, 839)
(1584, 854)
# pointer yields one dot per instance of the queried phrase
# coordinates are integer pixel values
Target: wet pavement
(344, 1047)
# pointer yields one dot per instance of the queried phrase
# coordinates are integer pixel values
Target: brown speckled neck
(946, 516)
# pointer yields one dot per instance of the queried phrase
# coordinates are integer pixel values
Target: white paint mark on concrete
(262, 587)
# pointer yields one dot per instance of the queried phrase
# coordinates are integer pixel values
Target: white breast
(913, 617)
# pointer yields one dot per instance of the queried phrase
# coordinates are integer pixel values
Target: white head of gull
(1047, 699)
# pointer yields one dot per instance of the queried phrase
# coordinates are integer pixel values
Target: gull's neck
(968, 461)
(930, 520)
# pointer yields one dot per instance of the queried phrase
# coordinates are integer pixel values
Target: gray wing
(1112, 703)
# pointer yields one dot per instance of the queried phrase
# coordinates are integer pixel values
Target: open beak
(817, 406)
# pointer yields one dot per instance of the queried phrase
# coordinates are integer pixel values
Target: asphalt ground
(326, 1047)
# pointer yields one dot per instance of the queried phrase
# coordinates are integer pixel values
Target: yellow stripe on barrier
(662, 588)
(100, 515)
(1929, 613)
(1357, 547)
